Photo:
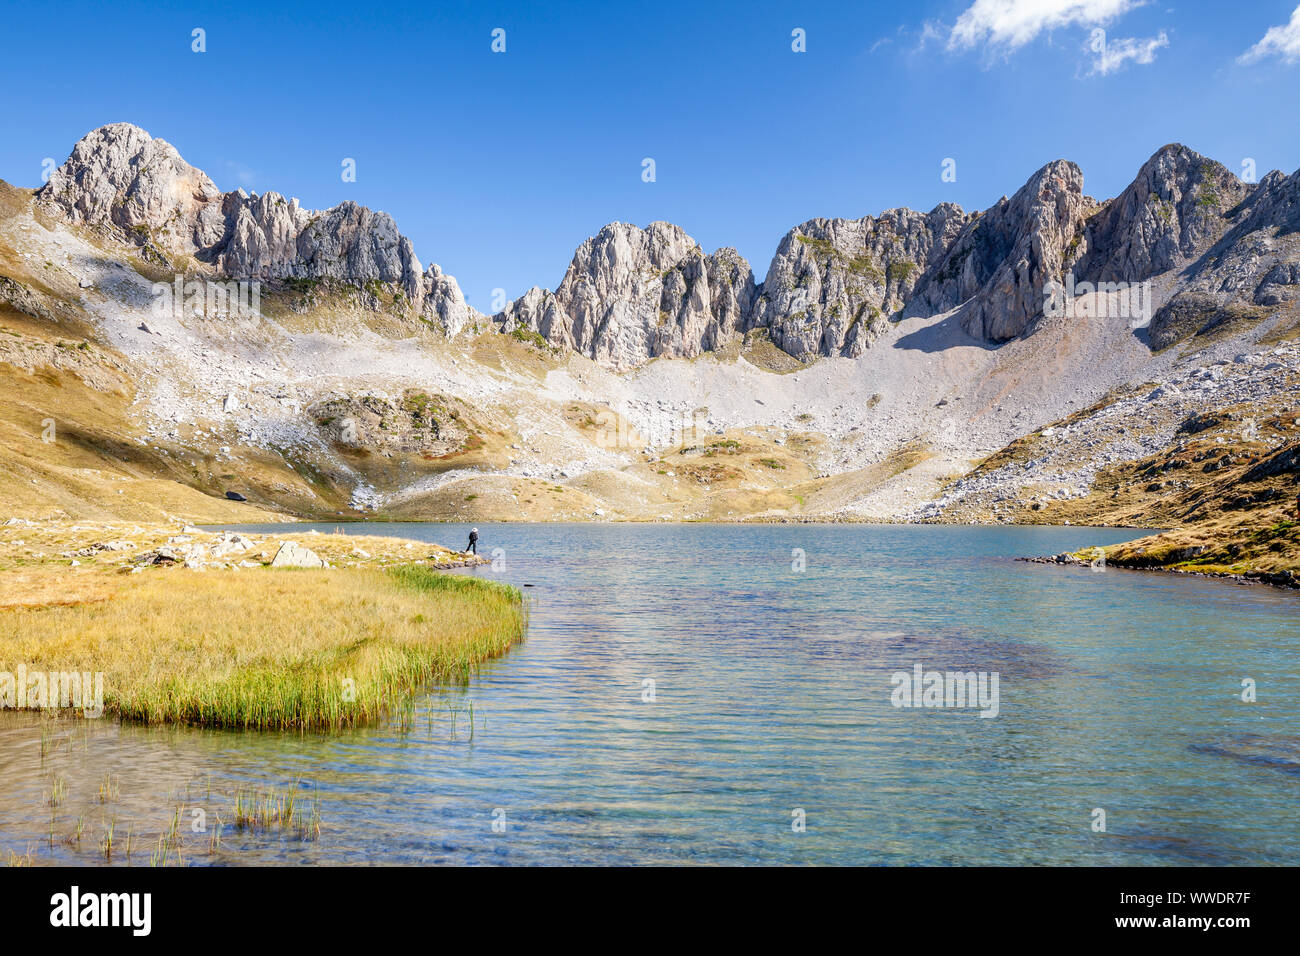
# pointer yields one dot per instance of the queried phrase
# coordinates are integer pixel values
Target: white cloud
(930, 31)
(1115, 53)
(1009, 24)
(1283, 41)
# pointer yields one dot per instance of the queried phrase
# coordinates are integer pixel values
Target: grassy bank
(1267, 551)
(262, 648)
(1232, 514)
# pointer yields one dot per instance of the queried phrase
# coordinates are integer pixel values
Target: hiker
(473, 541)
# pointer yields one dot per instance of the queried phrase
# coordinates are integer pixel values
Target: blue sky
(498, 165)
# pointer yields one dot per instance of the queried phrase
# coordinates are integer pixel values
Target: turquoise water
(772, 694)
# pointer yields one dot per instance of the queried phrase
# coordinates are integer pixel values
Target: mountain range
(633, 294)
(891, 367)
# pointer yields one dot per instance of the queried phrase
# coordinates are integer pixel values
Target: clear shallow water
(1118, 690)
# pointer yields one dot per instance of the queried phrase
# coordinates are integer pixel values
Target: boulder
(293, 555)
(231, 543)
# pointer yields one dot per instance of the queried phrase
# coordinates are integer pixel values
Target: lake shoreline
(1280, 580)
(186, 626)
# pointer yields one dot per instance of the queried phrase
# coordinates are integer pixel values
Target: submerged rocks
(1065, 557)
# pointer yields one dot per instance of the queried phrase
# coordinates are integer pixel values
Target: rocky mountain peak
(120, 176)
(631, 294)
(1003, 258)
(1176, 204)
(833, 282)
(121, 179)
(1242, 260)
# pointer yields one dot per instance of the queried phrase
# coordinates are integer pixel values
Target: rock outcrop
(119, 176)
(1175, 207)
(833, 282)
(294, 555)
(416, 424)
(1004, 259)
(1193, 312)
(632, 294)
(121, 179)
(1239, 254)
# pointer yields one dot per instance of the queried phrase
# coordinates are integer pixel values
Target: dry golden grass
(36, 560)
(238, 644)
(12, 199)
(269, 648)
(50, 587)
(1226, 517)
(1264, 544)
(756, 348)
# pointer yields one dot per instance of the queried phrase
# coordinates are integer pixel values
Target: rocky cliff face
(633, 294)
(1257, 260)
(833, 282)
(1235, 247)
(1176, 205)
(122, 180)
(118, 176)
(1004, 258)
